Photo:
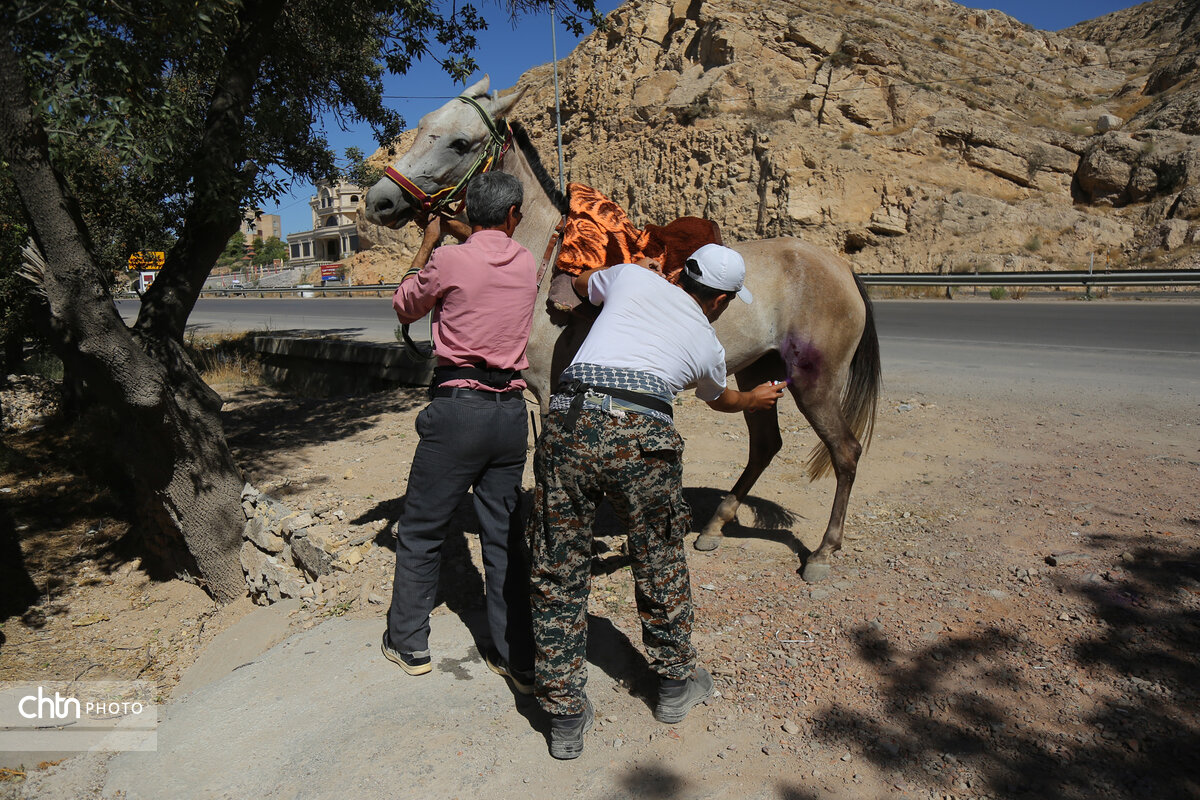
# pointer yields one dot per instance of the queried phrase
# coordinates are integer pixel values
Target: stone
(256, 532)
(1186, 205)
(1062, 559)
(821, 39)
(889, 221)
(310, 558)
(294, 587)
(321, 536)
(1108, 122)
(276, 572)
(254, 563)
(1172, 233)
(805, 211)
(297, 522)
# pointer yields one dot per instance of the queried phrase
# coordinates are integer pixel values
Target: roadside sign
(147, 260)
(330, 271)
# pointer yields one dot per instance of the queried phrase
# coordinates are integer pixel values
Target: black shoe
(411, 663)
(677, 698)
(567, 730)
(522, 679)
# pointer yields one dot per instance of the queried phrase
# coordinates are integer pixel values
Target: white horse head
(450, 141)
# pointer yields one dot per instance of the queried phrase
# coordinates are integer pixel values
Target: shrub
(998, 293)
(226, 359)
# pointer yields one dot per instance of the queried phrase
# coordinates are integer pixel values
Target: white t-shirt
(652, 325)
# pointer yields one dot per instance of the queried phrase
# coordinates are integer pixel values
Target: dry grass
(226, 359)
(1130, 110)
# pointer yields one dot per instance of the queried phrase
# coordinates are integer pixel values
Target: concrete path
(324, 715)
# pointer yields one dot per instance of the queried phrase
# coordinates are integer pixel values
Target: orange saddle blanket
(599, 233)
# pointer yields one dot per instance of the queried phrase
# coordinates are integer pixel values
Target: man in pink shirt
(474, 431)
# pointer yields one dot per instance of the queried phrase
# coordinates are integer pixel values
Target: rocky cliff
(910, 135)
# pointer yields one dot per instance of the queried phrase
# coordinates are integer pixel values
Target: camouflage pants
(636, 462)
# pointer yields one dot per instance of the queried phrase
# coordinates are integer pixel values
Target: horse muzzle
(386, 205)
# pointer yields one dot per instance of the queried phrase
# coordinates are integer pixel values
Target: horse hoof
(708, 541)
(815, 572)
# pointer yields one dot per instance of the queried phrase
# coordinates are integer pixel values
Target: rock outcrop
(288, 553)
(910, 135)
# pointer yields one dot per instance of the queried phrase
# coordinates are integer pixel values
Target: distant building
(256, 224)
(334, 234)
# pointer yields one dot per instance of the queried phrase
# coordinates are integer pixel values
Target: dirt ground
(1014, 614)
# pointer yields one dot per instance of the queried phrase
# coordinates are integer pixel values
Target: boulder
(257, 531)
(1172, 234)
(312, 559)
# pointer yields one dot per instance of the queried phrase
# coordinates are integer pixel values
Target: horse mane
(548, 184)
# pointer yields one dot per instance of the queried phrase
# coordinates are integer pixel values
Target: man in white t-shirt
(610, 434)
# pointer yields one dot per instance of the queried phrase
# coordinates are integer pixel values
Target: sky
(505, 52)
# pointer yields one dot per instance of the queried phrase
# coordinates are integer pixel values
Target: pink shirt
(482, 294)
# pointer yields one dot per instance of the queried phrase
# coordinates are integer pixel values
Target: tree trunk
(168, 436)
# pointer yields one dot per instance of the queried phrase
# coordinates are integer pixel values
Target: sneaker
(522, 680)
(412, 663)
(567, 730)
(676, 698)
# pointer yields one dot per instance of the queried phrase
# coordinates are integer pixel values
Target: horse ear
(480, 89)
(502, 105)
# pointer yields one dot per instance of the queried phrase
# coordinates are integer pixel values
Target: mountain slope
(911, 135)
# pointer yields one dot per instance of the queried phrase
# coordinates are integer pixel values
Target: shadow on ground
(274, 427)
(1136, 737)
(55, 521)
(771, 521)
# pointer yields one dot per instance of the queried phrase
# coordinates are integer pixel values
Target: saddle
(598, 233)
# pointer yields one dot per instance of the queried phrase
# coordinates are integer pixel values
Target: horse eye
(460, 146)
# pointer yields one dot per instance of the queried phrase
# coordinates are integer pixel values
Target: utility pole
(557, 105)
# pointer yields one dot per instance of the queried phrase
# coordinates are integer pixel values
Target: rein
(442, 201)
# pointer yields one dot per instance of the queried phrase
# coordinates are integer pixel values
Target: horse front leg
(765, 442)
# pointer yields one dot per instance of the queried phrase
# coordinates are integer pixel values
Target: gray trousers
(466, 443)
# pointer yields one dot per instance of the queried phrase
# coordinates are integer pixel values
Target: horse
(811, 321)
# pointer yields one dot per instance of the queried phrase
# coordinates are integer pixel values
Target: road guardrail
(1132, 277)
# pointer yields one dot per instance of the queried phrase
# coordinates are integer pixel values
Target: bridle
(442, 201)
(500, 138)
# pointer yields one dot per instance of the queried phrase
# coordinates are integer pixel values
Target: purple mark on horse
(803, 360)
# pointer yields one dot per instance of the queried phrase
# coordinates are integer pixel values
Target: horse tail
(861, 395)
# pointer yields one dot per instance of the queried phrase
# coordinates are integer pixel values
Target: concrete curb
(322, 367)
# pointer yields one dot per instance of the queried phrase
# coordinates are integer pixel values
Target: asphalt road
(1151, 345)
(1133, 326)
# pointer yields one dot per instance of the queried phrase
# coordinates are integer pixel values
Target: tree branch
(76, 292)
(221, 179)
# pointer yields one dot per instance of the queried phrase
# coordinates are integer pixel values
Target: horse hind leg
(765, 442)
(821, 407)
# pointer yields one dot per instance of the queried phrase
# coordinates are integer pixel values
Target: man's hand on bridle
(441, 226)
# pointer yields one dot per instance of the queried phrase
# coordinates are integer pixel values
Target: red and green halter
(441, 201)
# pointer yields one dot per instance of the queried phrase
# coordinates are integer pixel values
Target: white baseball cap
(721, 268)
